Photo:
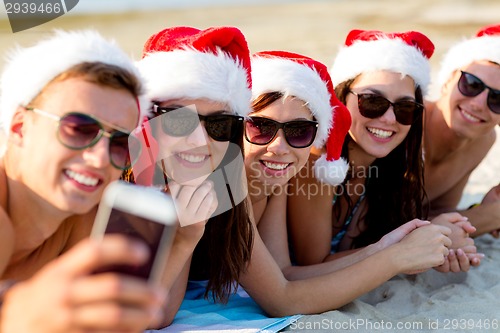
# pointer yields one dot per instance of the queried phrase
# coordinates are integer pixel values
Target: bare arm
(266, 284)
(193, 204)
(309, 210)
(486, 216)
(273, 231)
(176, 277)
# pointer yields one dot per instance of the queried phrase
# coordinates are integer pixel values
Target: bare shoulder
(3, 187)
(6, 229)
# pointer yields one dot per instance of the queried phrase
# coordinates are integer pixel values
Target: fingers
(454, 217)
(89, 255)
(475, 258)
(445, 267)
(194, 203)
(458, 261)
(203, 198)
(469, 249)
(113, 318)
(466, 226)
(445, 231)
(415, 223)
(114, 287)
(207, 206)
(463, 260)
(192, 195)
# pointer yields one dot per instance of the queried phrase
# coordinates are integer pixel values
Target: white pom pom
(330, 172)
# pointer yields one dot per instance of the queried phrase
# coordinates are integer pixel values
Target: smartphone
(139, 212)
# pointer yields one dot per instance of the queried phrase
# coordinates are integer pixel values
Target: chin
(190, 180)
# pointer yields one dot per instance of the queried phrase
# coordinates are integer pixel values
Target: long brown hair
(396, 194)
(225, 248)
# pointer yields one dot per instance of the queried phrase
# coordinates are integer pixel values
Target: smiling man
(460, 127)
(68, 105)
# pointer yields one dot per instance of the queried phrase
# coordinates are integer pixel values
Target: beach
(317, 29)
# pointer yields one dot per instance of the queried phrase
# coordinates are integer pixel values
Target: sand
(469, 302)
(428, 302)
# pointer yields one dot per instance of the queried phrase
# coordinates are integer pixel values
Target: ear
(448, 85)
(17, 126)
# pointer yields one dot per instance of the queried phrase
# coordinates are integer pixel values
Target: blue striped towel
(240, 314)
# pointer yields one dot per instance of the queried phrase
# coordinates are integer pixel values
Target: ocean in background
(109, 6)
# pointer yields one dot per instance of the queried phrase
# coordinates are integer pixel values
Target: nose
(198, 137)
(279, 146)
(480, 102)
(98, 155)
(389, 117)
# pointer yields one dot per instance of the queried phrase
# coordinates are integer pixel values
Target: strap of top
(338, 237)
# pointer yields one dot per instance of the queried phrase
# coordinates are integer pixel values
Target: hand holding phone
(141, 213)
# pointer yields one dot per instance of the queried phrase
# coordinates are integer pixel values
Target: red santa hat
(364, 51)
(29, 70)
(485, 45)
(307, 79)
(185, 62)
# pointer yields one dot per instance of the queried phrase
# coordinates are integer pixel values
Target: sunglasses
(470, 86)
(373, 106)
(298, 133)
(79, 131)
(181, 122)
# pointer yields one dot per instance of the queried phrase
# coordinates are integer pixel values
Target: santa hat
(185, 62)
(307, 79)
(484, 46)
(29, 70)
(364, 51)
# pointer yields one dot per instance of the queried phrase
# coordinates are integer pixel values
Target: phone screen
(148, 231)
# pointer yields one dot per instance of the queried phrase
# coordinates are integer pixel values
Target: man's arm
(485, 217)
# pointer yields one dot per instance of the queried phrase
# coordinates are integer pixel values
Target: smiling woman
(381, 77)
(199, 84)
(293, 108)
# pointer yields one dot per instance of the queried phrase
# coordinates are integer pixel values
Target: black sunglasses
(298, 133)
(180, 122)
(79, 131)
(373, 106)
(470, 85)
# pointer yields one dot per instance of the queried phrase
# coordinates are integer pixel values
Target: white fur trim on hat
(294, 79)
(330, 172)
(28, 70)
(382, 54)
(466, 52)
(189, 73)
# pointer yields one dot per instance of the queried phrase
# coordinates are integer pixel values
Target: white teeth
(470, 117)
(84, 180)
(380, 133)
(276, 166)
(192, 158)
